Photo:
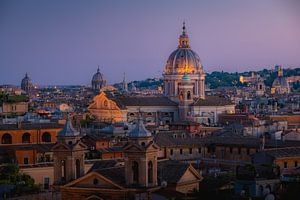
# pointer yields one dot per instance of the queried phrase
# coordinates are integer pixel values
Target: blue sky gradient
(63, 41)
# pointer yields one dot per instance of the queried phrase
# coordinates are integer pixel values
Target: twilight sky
(63, 41)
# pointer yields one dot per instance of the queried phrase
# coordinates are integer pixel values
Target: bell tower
(141, 157)
(185, 97)
(68, 155)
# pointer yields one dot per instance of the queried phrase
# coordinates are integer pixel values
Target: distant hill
(220, 79)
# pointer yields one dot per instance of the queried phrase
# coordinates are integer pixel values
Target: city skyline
(63, 42)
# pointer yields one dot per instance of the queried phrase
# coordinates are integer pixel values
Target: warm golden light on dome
(183, 59)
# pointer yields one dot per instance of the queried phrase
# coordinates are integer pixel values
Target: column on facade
(196, 88)
(176, 88)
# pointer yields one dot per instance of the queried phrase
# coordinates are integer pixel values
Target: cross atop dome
(183, 28)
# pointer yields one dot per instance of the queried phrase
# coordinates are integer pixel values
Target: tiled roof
(144, 101)
(38, 147)
(116, 174)
(30, 126)
(167, 139)
(171, 171)
(213, 101)
(103, 164)
(284, 152)
(110, 149)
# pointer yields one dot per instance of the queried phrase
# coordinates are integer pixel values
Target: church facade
(139, 176)
(184, 95)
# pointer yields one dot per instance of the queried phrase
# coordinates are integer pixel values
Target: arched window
(135, 170)
(46, 137)
(6, 139)
(181, 96)
(105, 103)
(63, 171)
(188, 95)
(150, 172)
(77, 168)
(26, 138)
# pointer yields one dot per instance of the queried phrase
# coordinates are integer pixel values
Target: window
(46, 183)
(199, 150)
(150, 172)
(171, 151)
(26, 138)
(248, 151)
(230, 149)
(78, 168)
(6, 139)
(63, 171)
(180, 151)
(191, 150)
(174, 136)
(26, 161)
(296, 164)
(135, 170)
(181, 96)
(285, 165)
(105, 103)
(95, 181)
(188, 95)
(213, 149)
(46, 137)
(239, 151)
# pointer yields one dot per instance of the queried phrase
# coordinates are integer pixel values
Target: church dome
(183, 59)
(140, 130)
(26, 83)
(98, 81)
(280, 82)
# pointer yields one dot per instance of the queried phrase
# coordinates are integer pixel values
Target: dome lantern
(184, 39)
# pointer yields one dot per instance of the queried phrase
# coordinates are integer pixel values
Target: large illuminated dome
(183, 59)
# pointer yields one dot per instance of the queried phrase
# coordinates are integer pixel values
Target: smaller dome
(26, 83)
(98, 77)
(280, 81)
(68, 130)
(140, 130)
(98, 81)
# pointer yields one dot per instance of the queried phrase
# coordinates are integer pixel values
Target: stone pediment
(133, 147)
(94, 180)
(152, 146)
(190, 175)
(79, 146)
(60, 147)
(103, 103)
